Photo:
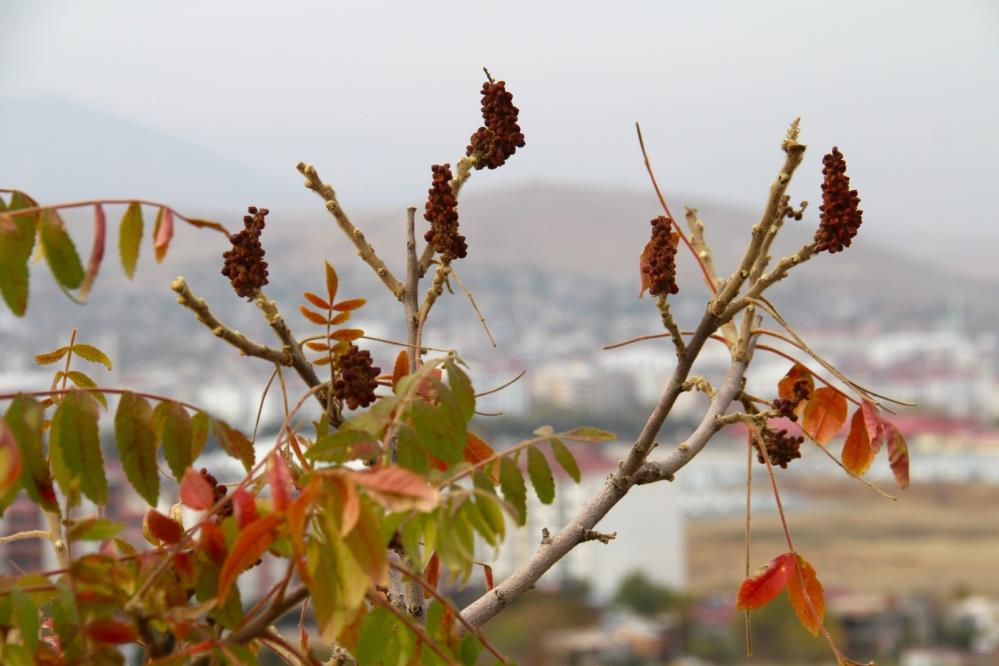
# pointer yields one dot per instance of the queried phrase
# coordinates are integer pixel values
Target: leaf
(432, 574)
(96, 252)
(110, 632)
(875, 429)
(76, 441)
(165, 529)
(401, 367)
(514, 488)
(60, 253)
(211, 542)
(195, 491)
(785, 387)
(343, 445)
(396, 489)
(373, 641)
(366, 543)
(488, 573)
(541, 475)
(346, 334)
(565, 458)
(84, 381)
(95, 529)
(48, 358)
(10, 460)
(252, 542)
(234, 443)
(26, 615)
(317, 300)
(130, 237)
(92, 354)
(825, 414)
(589, 434)
(857, 452)
(898, 454)
(477, 451)
(279, 479)
(162, 232)
(173, 425)
(346, 503)
(313, 316)
(764, 585)
(317, 346)
(461, 388)
(332, 282)
(135, 437)
(245, 507)
(17, 239)
(802, 582)
(24, 418)
(349, 305)
(340, 318)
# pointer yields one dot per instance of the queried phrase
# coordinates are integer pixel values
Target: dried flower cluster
(442, 213)
(244, 263)
(218, 492)
(781, 447)
(501, 137)
(840, 216)
(658, 262)
(358, 378)
(787, 406)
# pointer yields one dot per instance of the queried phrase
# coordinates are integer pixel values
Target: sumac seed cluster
(658, 263)
(244, 263)
(782, 448)
(442, 214)
(840, 216)
(357, 378)
(494, 143)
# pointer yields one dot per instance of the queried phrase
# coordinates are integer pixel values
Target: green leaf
(60, 253)
(461, 388)
(234, 443)
(336, 447)
(135, 436)
(471, 648)
(470, 512)
(514, 488)
(24, 418)
(84, 381)
(130, 238)
(488, 505)
(92, 354)
(173, 427)
(541, 475)
(27, 619)
(373, 641)
(434, 431)
(409, 452)
(95, 529)
(565, 458)
(76, 441)
(17, 240)
(589, 434)
(201, 424)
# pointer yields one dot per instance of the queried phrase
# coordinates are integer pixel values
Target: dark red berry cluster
(357, 379)
(658, 263)
(442, 214)
(244, 263)
(218, 493)
(786, 406)
(840, 215)
(501, 137)
(782, 448)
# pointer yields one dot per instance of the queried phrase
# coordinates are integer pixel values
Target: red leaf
(488, 572)
(401, 368)
(804, 587)
(96, 252)
(279, 479)
(857, 452)
(898, 454)
(252, 542)
(316, 300)
(10, 459)
(332, 282)
(163, 233)
(312, 315)
(245, 507)
(785, 387)
(432, 573)
(195, 491)
(875, 430)
(212, 542)
(163, 528)
(764, 586)
(347, 306)
(110, 632)
(396, 489)
(825, 414)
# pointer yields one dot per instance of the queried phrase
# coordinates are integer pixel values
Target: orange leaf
(279, 479)
(476, 451)
(312, 315)
(195, 491)
(347, 306)
(349, 501)
(857, 452)
(332, 282)
(316, 300)
(212, 542)
(432, 573)
(401, 368)
(875, 430)
(163, 233)
(396, 489)
(346, 334)
(252, 542)
(165, 529)
(764, 585)
(245, 507)
(825, 414)
(488, 572)
(322, 360)
(645, 262)
(898, 454)
(96, 252)
(804, 587)
(785, 387)
(317, 346)
(110, 632)
(298, 514)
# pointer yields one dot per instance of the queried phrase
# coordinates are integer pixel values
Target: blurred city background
(208, 107)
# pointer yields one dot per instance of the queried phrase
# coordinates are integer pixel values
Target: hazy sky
(372, 93)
